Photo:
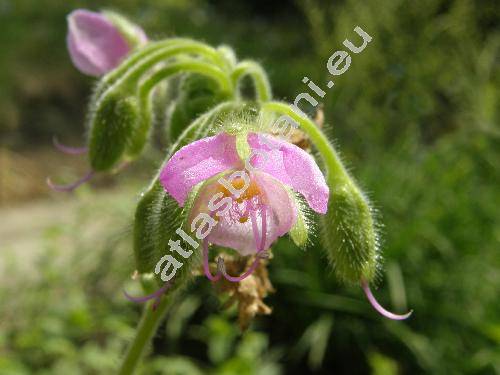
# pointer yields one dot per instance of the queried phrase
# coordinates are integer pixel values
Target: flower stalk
(150, 320)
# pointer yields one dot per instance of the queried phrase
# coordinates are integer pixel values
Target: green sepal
(111, 128)
(299, 232)
(349, 234)
(242, 146)
(140, 133)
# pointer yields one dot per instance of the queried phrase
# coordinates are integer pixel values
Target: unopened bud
(98, 42)
(111, 128)
(349, 234)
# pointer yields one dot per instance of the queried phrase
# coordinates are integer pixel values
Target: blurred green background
(416, 118)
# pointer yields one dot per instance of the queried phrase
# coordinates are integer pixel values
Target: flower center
(238, 183)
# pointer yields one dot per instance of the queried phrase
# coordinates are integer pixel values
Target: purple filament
(72, 186)
(260, 245)
(206, 267)
(67, 149)
(378, 307)
(155, 295)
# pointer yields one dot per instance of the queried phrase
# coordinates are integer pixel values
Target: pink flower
(246, 204)
(98, 42)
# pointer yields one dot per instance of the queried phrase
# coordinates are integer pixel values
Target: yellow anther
(238, 183)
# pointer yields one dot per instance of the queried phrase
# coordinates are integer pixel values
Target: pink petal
(197, 162)
(231, 233)
(292, 166)
(95, 44)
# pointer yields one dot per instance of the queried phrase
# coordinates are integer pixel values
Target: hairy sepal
(111, 128)
(349, 235)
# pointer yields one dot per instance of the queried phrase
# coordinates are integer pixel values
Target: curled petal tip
(67, 149)
(379, 308)
(72, 186)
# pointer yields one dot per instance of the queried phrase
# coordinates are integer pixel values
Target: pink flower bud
(97, 44)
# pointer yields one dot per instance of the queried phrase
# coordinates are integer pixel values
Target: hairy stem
(147, 327)
(138, 140)
(258, 75)
(136, 65)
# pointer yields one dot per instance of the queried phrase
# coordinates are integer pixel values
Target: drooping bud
(98, 42)
(349, 234)
(111, 128)
(197, 94)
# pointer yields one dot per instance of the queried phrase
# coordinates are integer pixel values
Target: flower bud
(197, 94)
(111, 128)
(349, 234)
(98, 42)
(133, 33)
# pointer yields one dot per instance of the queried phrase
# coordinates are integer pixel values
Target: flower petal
(292, 166)
(197, 162)
(95, 45)
(281, 214)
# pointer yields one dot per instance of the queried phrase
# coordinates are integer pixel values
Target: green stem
(136, 65)
(337, 174)
(259, 77)
(190, 65)
(138, 139)
(147, 327)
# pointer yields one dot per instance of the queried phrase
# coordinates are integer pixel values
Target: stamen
(206, 267)
(378, 307)
(68, 149)
(234, 279)
(264, 229)
(156, 295)
(256, 234)
(72, 186)
(260, 242)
